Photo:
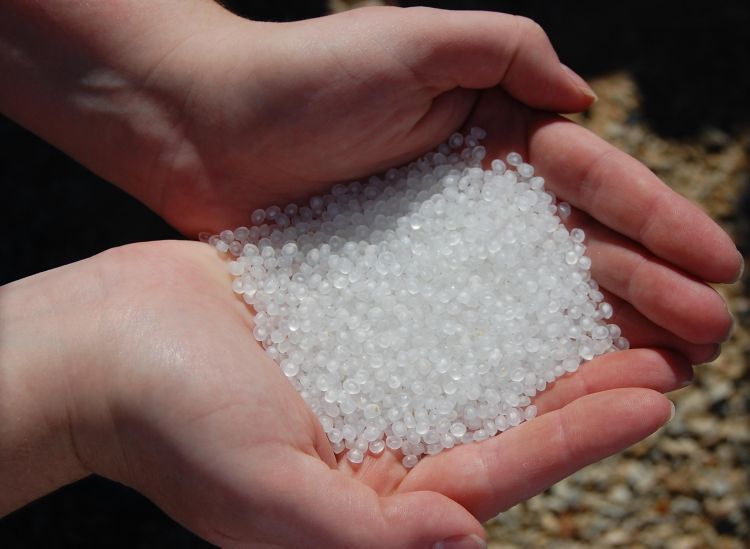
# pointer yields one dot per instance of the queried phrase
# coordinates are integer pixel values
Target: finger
(330, 509)
(511, 126)
(624, 195)
(642, 333)
(477, 50)
(493, 475)
(655, 369)
(668, 297)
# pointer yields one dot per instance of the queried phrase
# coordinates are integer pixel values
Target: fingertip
(635, 413)
(425, 519)
(483, 50)
(711, 353)
(730, 328)
(682, 370)
(657, 369)
(662, 408)
(718, 259)
(581, 85)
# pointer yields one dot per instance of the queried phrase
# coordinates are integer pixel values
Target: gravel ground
(673, 90)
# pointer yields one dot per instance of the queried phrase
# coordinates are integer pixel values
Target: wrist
(45, 327)
(106, 83)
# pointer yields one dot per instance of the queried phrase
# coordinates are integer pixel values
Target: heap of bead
(424, 309)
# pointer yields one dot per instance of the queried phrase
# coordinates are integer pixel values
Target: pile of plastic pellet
(425, 309)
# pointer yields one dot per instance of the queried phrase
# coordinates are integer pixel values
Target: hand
(653, 278)
(206, 115)
(282, 111)
(172, 396)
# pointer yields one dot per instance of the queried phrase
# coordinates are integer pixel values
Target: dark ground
(688, 60)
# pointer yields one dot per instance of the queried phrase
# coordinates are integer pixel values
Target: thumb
(332, 509)
(478, 50)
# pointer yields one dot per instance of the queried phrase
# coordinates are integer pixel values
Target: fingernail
(686, 382)
(716, 354)
(731, 327)
(580, 83)
(672, 411)
(461, 542)
(742, 267)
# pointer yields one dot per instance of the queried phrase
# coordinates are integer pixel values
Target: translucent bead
(362, 445)
(525, 170)
(371, 433)
(477, 133)
(242, 233)
(349, 433)
(371, 410)
(456, 140)
(478, 153)
(377, 447)
(335, 436)
(529, 412)
(410, 461)
(564, 209)
(226, 236)
(316, 203)
(258, 216)
(577, 235)
(355, 456)
(570, 364)
(458, 430)
(498, 166)
(514, 159)
(480, 435)
(536, 183)
(393, 442)
(237, 285)
(273, 212)
(260, 333)
(290, 369)
(586, 352)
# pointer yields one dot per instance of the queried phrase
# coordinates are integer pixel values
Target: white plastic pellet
(424, 309)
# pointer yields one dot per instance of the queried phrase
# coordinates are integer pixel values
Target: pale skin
(137, 364)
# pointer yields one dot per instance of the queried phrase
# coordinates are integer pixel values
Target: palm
(208, 425)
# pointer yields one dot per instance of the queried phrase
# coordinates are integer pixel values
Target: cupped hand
(266, 113)
(179, 402)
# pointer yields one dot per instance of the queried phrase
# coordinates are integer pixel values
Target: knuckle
(529, 27)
